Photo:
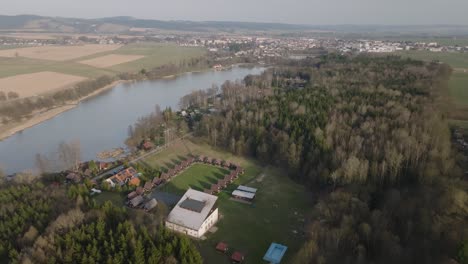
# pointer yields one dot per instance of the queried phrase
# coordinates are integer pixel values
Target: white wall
(209, 222)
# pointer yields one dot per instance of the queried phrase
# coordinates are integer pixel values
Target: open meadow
(238, 221)
(33, 84)
(57, 53)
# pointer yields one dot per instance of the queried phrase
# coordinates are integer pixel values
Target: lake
(101, 122)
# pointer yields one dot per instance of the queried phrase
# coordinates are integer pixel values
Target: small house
(148, 186)
(132, 195)
(73, 177)
(134, 182)
(139, 190)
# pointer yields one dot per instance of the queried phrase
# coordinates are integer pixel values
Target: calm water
(101, 123)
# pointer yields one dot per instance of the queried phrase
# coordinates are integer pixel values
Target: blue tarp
(275, 253)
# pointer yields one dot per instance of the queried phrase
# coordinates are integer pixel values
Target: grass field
(277, 214)
(454, 59)
(197, 176)
(459, 88)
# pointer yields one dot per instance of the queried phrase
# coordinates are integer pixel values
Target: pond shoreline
(45, 114)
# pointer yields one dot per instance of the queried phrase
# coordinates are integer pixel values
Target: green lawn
(459, 88)
(276, 215)
(116, 198)
(197, 176)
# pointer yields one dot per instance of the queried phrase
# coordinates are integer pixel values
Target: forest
(369, 136)
(42, 221)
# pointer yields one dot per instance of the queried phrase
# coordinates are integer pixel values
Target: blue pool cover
(275, 253)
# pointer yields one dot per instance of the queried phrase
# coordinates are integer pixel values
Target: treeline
(367, 135)
(360, 120)
(44, 222)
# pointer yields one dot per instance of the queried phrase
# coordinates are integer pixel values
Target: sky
(312, 12)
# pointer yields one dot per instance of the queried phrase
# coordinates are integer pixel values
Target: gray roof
(243, 194)
(137, 200)
(151, 204)
(190, 218)
(246, 189)
(192, 205)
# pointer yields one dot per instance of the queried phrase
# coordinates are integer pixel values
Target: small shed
(148, 186)
(237, 257)
(132, 195)
(150, 204)
(139, 190)
(246, 189)
(136, 201)
(275, 253)
(243, 195)
(222, 247)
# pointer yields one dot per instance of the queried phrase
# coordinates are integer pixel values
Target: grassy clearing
(116, 198)
(276, 215)
(459, 88)
(198, 177)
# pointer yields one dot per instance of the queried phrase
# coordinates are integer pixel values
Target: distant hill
(120, 24)
(123, 24)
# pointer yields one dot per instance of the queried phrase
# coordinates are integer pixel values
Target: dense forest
(44, 222)
(369, 136)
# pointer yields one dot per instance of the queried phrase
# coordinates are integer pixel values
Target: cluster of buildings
(126, 176)
(264, 47)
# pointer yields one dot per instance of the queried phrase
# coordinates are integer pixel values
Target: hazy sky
(287, 11)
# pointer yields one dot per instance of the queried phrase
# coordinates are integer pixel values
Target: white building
(194, 214)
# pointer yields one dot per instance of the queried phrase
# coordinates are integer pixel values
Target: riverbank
(43, 115)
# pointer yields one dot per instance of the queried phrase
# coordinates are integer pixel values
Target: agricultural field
(454, 59)
(110, 60)
(459, 88)
(102, 59)
(276, 193)
(33, 84)
(57, 53)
